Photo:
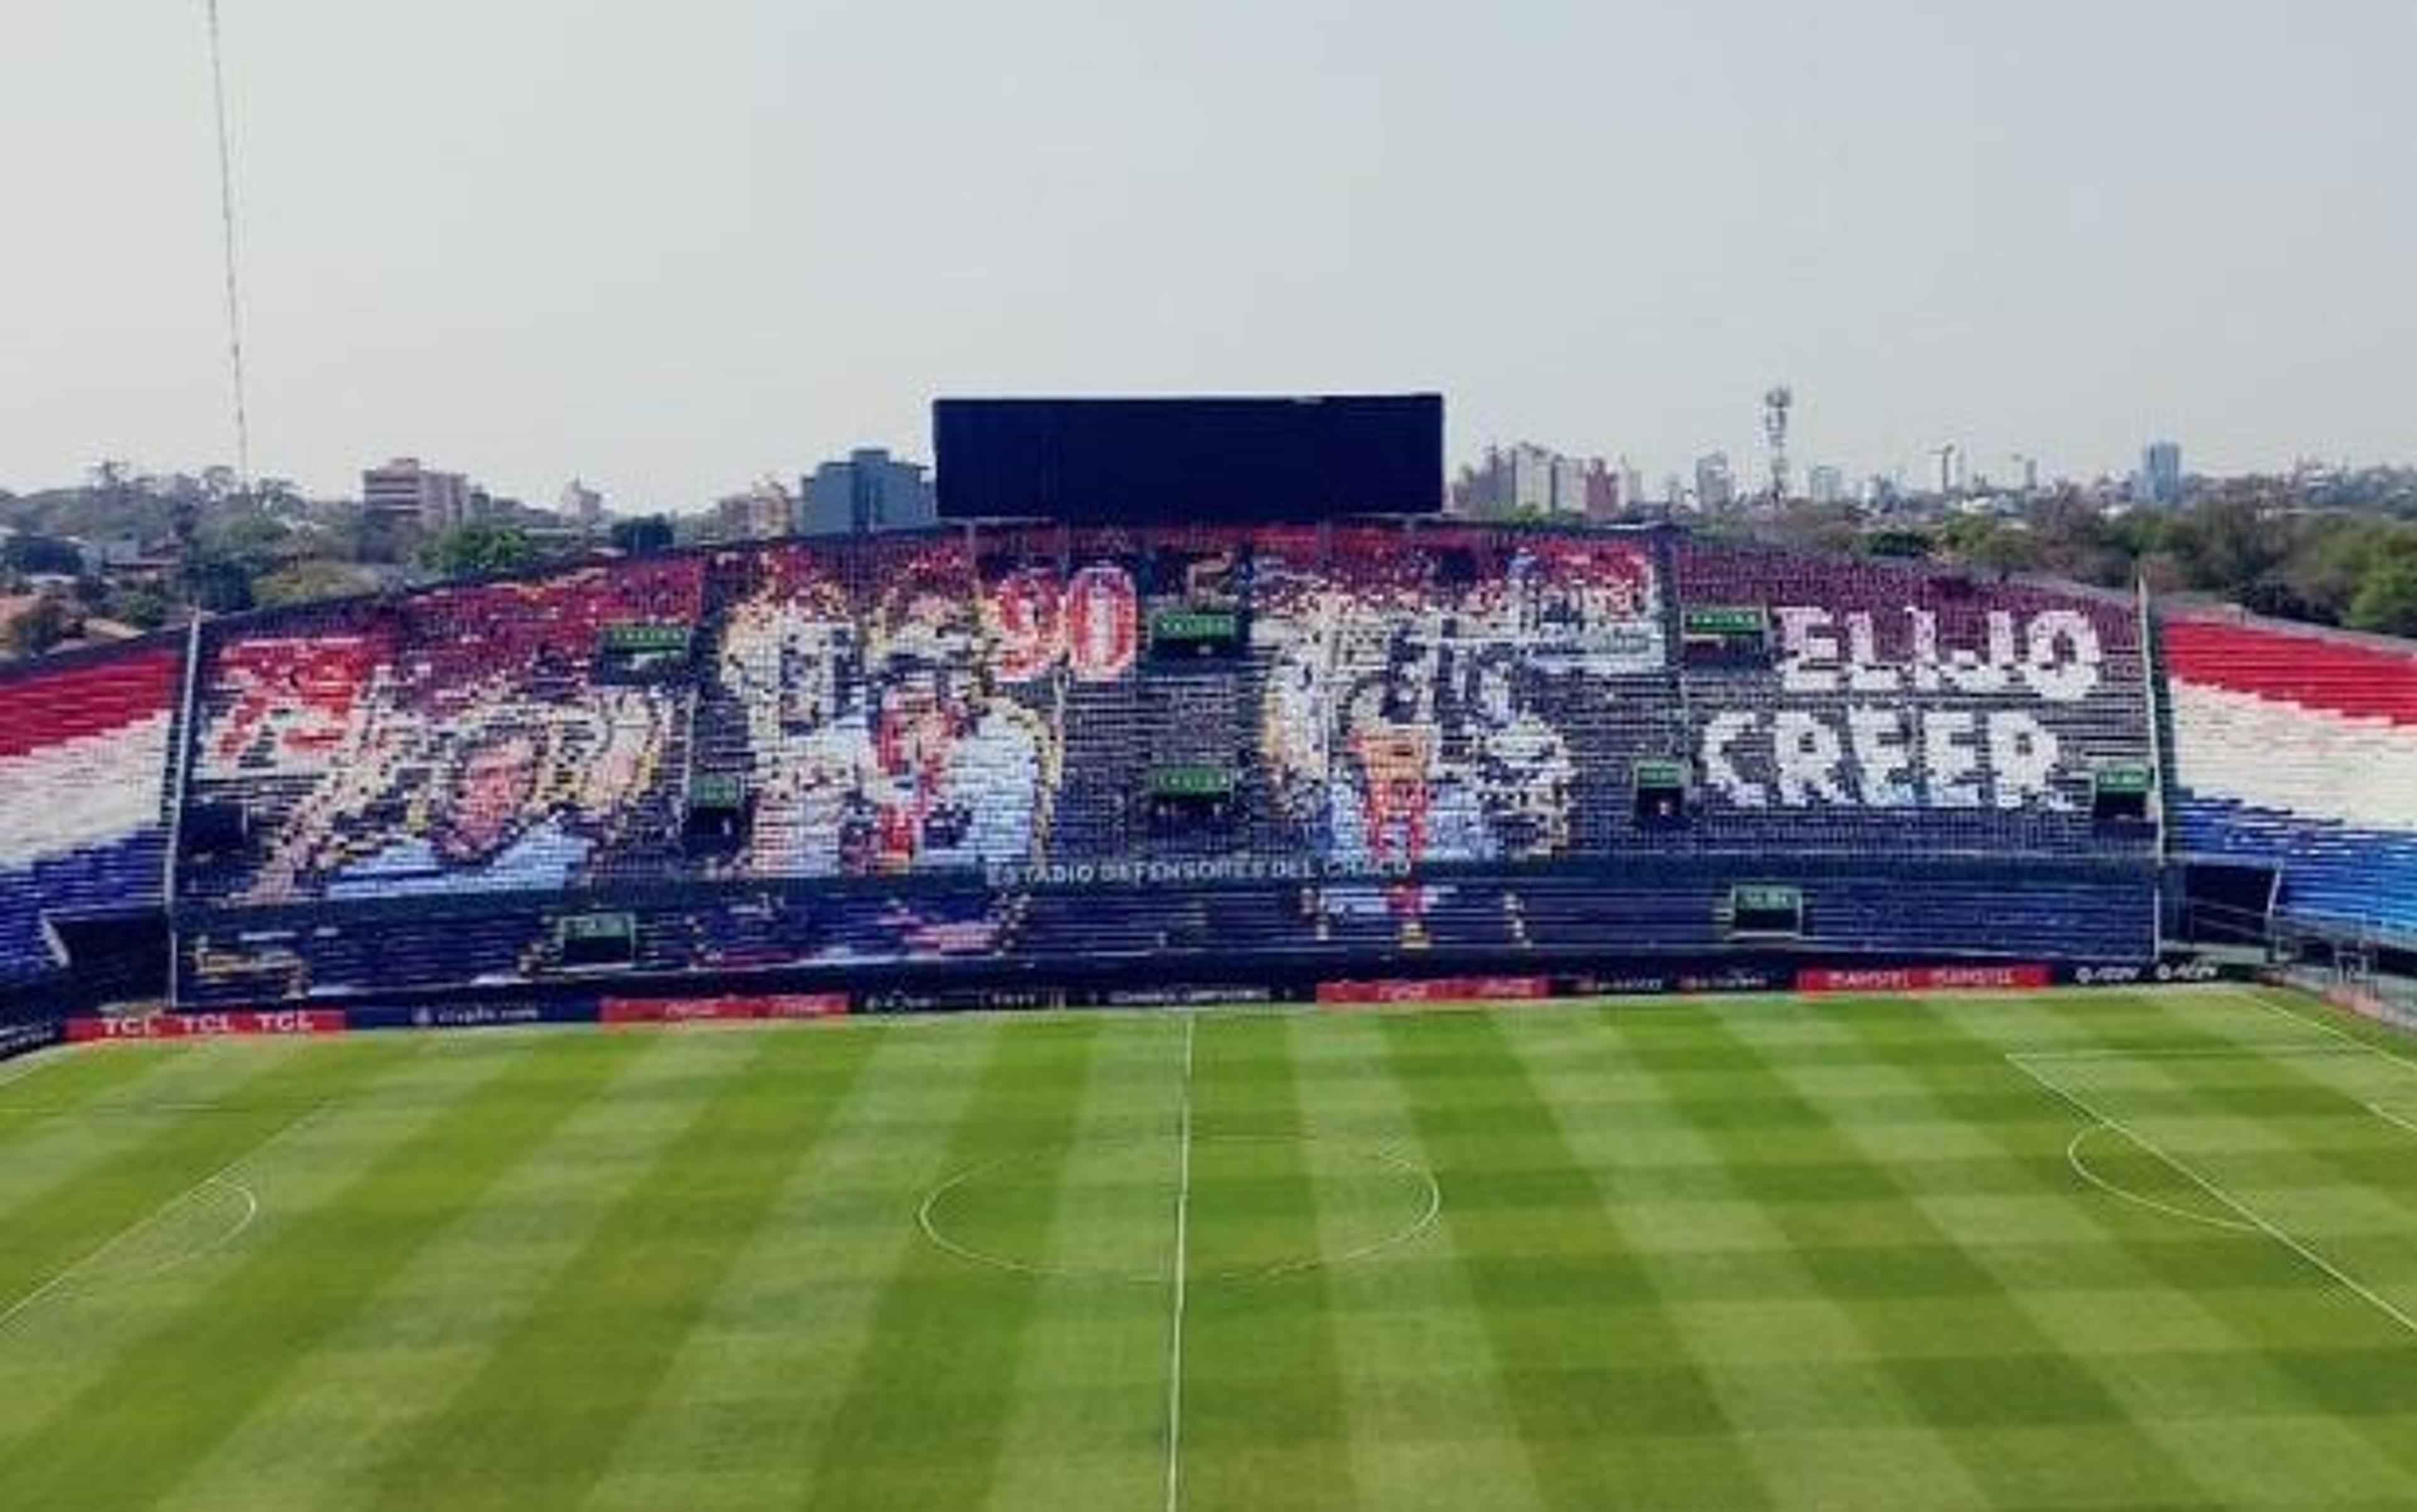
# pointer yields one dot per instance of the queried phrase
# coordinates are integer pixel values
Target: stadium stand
(501, 736)
(2295, 753)
(1038, 749)
(1022, 751)
(84, 763)
(1904, 710)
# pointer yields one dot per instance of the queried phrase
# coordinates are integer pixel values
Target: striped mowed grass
(2103, 1250)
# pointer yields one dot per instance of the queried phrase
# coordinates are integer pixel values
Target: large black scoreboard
(1188, 461)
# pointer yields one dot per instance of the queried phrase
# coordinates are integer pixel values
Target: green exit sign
(1661, 774)
(1192, 781)
(2122, 779)
(1730, 619)
(1765, 897)
(1195, 625)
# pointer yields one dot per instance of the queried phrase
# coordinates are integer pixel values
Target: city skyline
(666, 255)
(1945, 471)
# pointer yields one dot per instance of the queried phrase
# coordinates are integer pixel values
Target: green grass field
(2103, 1250)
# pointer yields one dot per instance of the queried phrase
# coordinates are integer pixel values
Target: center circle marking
(1425, 1205)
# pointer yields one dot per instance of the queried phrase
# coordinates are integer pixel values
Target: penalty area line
(2247, 1215)
(215, 1178)
(2273, 1004)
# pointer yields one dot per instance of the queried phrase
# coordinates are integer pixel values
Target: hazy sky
(674, 245)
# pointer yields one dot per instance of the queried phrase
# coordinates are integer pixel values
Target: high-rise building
(759, 513)
(1604, 496)
(1716, 484)
(1952, 469)
(1825, 485)
(1632, 483)
(1531, 480)
(1482, 488)
(1569, 486)
(871, 491)
(1526, 479)
(405, 492)
(2160, 480)
(581, 505)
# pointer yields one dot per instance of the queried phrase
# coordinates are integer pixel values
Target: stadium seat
(956, 746)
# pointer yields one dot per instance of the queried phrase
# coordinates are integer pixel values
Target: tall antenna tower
(226, 229)
(1775, 406)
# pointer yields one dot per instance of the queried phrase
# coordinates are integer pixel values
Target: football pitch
(2086, 1250)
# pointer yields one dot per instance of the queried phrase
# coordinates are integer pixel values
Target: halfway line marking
(1182, 1243)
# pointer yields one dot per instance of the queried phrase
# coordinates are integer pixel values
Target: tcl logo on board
(210, 1026)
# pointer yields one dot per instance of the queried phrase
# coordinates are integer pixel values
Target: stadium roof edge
(1412, 524)
(68, 660)
(2216, 612)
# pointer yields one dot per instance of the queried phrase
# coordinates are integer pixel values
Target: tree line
(2274, 546)
(2256, 544)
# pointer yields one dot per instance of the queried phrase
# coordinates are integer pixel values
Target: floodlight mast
(227, 235)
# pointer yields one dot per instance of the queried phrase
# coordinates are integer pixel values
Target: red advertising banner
(2021, 977)
(722, 1010)
(209, 1026)
(1435, 989)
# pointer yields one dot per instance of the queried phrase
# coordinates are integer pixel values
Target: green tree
(641, 536)
(2328, 561)
(217, 586)
(1910, 545)
(43, 624)
(306, 582)
(248, 534)
(380, 538)
(41, 553)
(2225, 545)
(2387, 595)
(141, 607)
(479, 550)
(1995, 545)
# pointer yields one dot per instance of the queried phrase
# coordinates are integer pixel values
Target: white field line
(2180, 1052)
(2081, 1168)
(2350, 1044)
(215, 1178)
(927, 1218)
(2390, 1117)
(1416, 1229)
(212, 1245)
(1182, 1243)
(27, 1065)
(2273, 1005)
(2356, 1286)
